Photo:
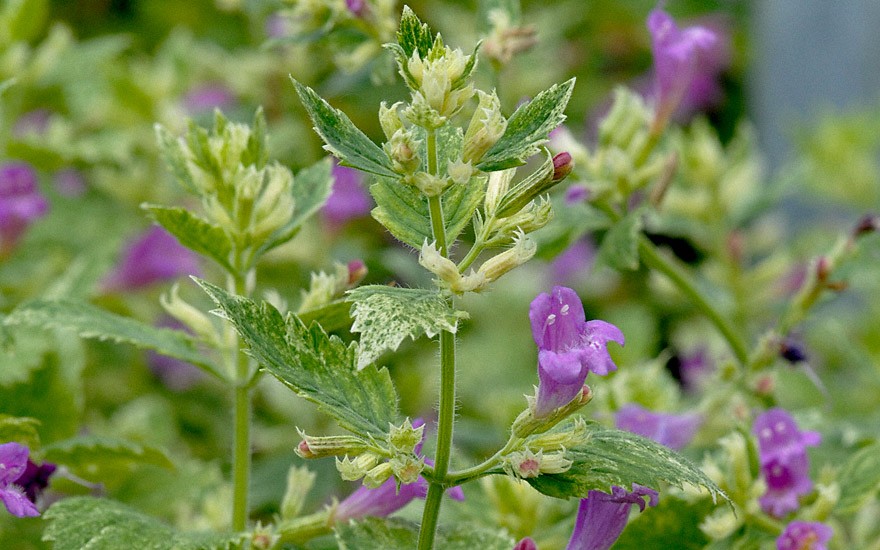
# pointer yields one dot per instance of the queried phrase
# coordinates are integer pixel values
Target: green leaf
(332, 316)
(859, 479)
(19, 429)
(92, 322)
(398, 534)
(403, 210)
(102, 524)
(610, 457)
(343, 138)
(528, 127)
(671, 520)
(620, 247)
(193, 232)
(386, 315)
(318, 367)
(22, 354)
(413, 35)
(92, 453)
(172, 151)
(311, 189)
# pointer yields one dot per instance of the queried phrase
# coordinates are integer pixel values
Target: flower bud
(190, 316)
(486, 127)
(444, 268)
(527, 464)
(300, 481)
(407, 468)
(354, 469)
(334, 445)
(378, 475)
(563, 439)
(562, 166)
(389, 119)
(264, 537)
(499, 183)
(521, 252)
(429, 184)
(357, 270)
(869, 223)
(459, 171)
(404, 438)
(402, 148)
(538, 182)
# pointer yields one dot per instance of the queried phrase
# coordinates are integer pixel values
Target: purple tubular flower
(152, 257)
(526, 544)
(13, 463)
(69, 182)
(673, 430)
(779, 437)
(787, 481)
(676, 57)
(21, 202)
(602, 517)
(782, 450)
(349, 199)
(381, 501)
(35, 479)
(804, 535)
(569, 347)
(695, 367)
(576, 194)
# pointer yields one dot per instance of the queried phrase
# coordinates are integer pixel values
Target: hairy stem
(241, 441)
(446, 415)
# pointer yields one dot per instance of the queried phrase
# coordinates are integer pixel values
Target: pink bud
(562, 166)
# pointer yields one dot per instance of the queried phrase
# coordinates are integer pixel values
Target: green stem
(446, 414)
(475, 472)
(241, 440)
(655, 260)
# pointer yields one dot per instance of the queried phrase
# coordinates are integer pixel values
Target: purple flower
(358, 8)
(779, 437)
(152, 257)
(804, 535)
(20, 202)
(569, 347)
(35, 479)
(602, 517)
(787, 480)
(13, 463)
(385, 499)
(673, 430)
(676, 59)
(782, 450)
(576, 194)
(32, 123)
(695, 368)
(574, 262)
(526, 544)
(349, 199)
(206, 98)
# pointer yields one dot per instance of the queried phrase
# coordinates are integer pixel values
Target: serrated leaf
(92, 322)
(22, 354)
(386, 315)
(620, 247)
(403, 210)
(343, 138)
(193, 232)
(859, 479)
(609, 457)
(318, 367)
(101, 524)
(413, 35)
(528, 127)
(91, 453)
(311, 189)
(398, 534)
(19, 429)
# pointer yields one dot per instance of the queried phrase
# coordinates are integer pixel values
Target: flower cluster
(804, 535)
(784, 462)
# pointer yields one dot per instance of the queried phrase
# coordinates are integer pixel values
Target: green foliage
(398, 534)
(311, 189)
(21, 430)
(413, 35)
(343, 138)
(403, 210)
(196, 233)
(22, 353)
(87, 454)
(318, 367)
(89, 321)
(859, 479)
(673, 523)
(386, 315)
(528, 127)
(610, 457)
(102, 524)
(620, 247)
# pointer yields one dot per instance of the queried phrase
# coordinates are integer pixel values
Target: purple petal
(155, 256)
(602, 516)
(381, 501)
(349, 199)
(21, 202)
(787, 481)
(17, 503)
(802, 535)
(574, 262)
(526, 544)
(779, 436)
(13, 461)
(674, 431)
